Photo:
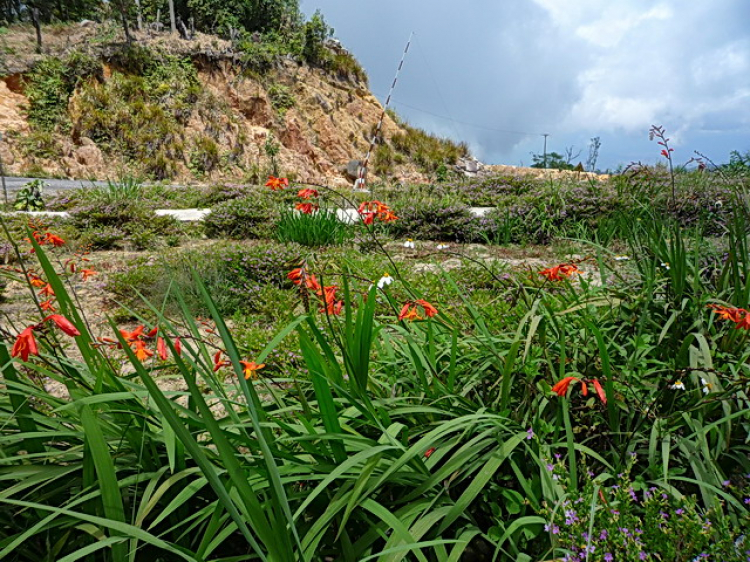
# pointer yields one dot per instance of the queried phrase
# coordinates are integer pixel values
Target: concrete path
(16, 184)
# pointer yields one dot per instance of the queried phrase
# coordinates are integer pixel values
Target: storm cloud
(500, 74)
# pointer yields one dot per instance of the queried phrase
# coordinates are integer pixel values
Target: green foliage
(428, 151)
(29, 198)
(50, 85)
(281, 98)
(140, 116)
(205, 155)
(220, 16)
(320, 228)
(637, 523)
(552, 161)
(383, 160)
(316, 32)
(242, 218)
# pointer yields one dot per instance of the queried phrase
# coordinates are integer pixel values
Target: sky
(499, 74)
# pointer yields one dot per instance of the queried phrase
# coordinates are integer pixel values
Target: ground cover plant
(394, 399)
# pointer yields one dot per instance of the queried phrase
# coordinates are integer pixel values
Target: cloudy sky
(498, 74)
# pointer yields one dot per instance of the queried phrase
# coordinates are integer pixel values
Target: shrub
(246, 217)
(433, 220)
(281, 98)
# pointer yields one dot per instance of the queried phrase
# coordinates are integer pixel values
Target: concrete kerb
(348, 216)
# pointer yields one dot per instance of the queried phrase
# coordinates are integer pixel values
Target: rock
(323, 103)
(88, 154)
(352, 169)
(6, 155)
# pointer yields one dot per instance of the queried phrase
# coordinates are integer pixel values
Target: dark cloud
(498, 74)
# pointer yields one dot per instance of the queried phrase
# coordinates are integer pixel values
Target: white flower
(665, 265)
(679, 385)
(442, 246)
(719, 203)
(409, 243)
(622, 258)
(706, 386)
(385, 280)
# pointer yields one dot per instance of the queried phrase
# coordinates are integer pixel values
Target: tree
(555, 161)
(593, 154)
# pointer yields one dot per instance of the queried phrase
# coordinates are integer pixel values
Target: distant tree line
(221, 17)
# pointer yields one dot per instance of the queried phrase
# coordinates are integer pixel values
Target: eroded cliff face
(321, 124)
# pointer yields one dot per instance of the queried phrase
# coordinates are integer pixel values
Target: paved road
(14, 184)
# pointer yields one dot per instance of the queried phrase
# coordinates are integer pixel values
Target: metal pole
(2, 177)
(545, 135)
(360, 184)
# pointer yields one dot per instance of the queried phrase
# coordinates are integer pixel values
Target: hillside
(90, 106)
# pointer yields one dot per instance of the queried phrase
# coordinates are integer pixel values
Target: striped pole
(361, 183)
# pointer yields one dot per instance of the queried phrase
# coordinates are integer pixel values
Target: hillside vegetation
(249, 100)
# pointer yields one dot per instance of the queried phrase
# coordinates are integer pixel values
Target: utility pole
(2, 177)
(545, 135)
(172, 20)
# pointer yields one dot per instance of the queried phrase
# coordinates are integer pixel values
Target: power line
(506, 131)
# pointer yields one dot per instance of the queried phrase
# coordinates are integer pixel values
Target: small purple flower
(679, 511)
(726, 483)
(529, 433)
(608, 557)
(558, 456)
(747, 501)
(550, 467)
(603, 535)
(642, 555)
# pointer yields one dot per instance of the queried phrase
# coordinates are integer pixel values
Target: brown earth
(329, 125)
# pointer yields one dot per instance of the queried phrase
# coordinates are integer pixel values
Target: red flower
(132, 336)
(56, 241)
(370, 210)
(47, 291)
(218, 363)
(88, 273)
(25, 344)
(177, 346)
(429, 310)
(561, 388)
(559, 271)
(429, 452)
(739, 316)
(599, 391)
(64, 324)
(161, 348)
(306, 208)
(307, 193)
(46, 306)
(277, 183)
(409, 310)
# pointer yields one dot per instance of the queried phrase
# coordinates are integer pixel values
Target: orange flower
(132, 336)
(429, 310)
(277, 184)
(25, 344)
(306, 208)
(333, 308)
(88, 273)
(559, 271)
(46, 306)
(370, 210)
(250, 367)
(307, 193)
(64, 324)
(56, 241)
(599, 391)
(561, 387)
(177, 346)
(300, 275)
(739, 316)
(161, 349)
(47, 291)
(141, 351)
(36, 281)
(328, 293)
(409, 310)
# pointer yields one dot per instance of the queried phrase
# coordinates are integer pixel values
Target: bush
(105, 225)
(434, 220)
(242, 218)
